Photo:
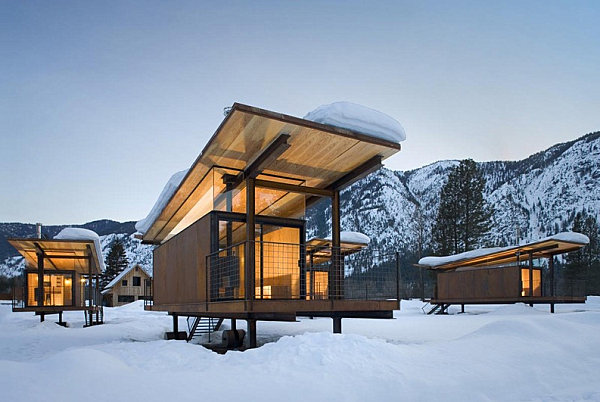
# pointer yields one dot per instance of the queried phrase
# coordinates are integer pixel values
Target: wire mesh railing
(291, 271)
(148, 293)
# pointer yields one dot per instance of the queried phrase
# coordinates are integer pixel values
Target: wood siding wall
(129, 290)
(492, 283)
(180, 265)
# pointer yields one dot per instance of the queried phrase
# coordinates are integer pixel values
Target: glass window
(124, 282)
(58, 289)
(137, 281)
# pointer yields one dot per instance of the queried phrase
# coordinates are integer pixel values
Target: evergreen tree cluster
(463, 217)
(116, 261)
(585, 263)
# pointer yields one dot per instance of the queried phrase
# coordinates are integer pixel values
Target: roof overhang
(67, 255)
(257, 141)
(542, 249)
(319, 250)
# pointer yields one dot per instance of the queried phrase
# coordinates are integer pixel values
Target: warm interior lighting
(266, 294)
(67, 281)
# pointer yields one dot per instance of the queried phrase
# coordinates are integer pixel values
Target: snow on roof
(352, 237)
(571, 237)
(143, 225)
(359, 118)
(433, 261)
(121, 276)
(83, 234)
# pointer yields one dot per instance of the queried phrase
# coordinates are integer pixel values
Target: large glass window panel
(58, 289)
(277, 264)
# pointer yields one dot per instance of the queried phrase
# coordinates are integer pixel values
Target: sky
(101, 102)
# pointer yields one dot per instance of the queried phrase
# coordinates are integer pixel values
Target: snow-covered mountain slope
(538, 195)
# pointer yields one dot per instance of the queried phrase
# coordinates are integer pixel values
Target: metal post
(175, 325)
(233, 324)
(337, 325)
(262, 262)
(97, 296)
(462, 308)
(311, 275)
(60, 321)
(251, 325)
(250, 234)
(90, 294)
(530, 274)
(551, 268)
(40, 300)
(398, 276)
(336, 243)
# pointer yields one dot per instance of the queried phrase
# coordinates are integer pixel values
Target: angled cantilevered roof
(320, 250)
(558, 244)
(68, 255)
(319, 155)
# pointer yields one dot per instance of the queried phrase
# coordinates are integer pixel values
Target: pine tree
(464, 217)
(116, 261)
(586, 261)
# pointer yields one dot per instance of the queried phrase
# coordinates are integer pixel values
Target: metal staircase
(200, 326)
(436, 308)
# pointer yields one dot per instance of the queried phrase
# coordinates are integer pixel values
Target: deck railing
(19, 294)
(289, 271)
(148, 293)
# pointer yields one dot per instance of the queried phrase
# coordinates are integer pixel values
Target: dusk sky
(102, 101)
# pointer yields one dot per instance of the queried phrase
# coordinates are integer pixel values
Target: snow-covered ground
(490, 353)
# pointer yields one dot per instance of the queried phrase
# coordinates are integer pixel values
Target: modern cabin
(519, 274)
(231, 236)
(129, 286)
(60, 275)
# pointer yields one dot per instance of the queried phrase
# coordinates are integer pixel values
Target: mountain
(537, 196)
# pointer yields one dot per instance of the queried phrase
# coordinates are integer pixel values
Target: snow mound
(143, 225)
(83, 234)
(359, 118)
(352, 237)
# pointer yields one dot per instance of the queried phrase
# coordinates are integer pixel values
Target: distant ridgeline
(539, 196)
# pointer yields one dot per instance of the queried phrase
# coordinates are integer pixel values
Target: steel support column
(337, 267)
(552, 289)
(40, 290)
(251, 326)
(250, 237)
(337, 325)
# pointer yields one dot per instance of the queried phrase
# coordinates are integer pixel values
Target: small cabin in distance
(129, 286)
(231, 234)
(61, 274)
(517, 274)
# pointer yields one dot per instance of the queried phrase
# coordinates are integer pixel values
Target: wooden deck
(512, 300)
(55, 309)
(284, 310)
